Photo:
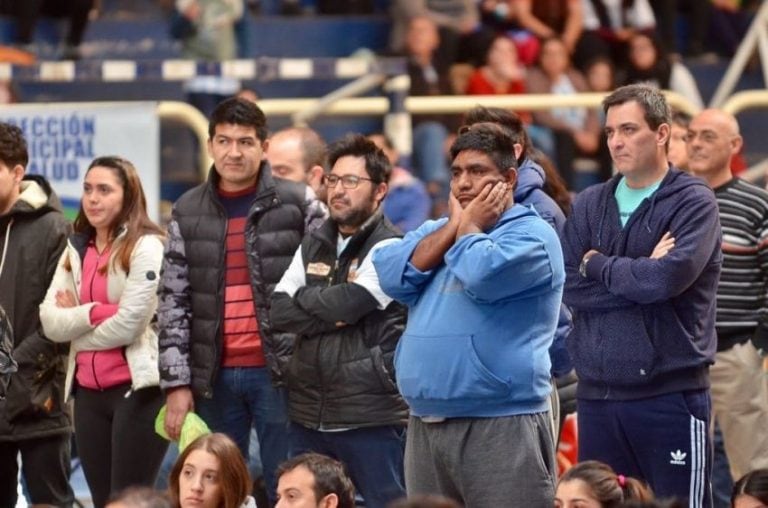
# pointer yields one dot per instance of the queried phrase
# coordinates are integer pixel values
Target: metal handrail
(195, 120)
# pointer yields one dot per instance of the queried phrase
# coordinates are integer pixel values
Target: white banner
(63, 139)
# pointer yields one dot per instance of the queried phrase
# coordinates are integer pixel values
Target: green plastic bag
(193, 428)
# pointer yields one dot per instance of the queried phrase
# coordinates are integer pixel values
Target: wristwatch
(583, 266)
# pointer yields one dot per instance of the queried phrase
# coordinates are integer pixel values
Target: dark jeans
(244, 397)
(46, 467)
(373, 457)
(116, 439)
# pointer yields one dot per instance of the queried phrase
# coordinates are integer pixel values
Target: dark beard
(352, 218)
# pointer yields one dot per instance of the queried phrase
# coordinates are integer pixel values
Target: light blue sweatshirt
(481, 323)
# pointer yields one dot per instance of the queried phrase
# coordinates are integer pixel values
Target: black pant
(28, 11)
(45, 464)
(116, 438)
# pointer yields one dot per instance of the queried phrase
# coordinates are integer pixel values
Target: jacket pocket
(629, 356)
(444, 367)
(37, 388)
(613, 348)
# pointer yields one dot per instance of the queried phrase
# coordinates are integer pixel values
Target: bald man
(739, 382)
(299, 154)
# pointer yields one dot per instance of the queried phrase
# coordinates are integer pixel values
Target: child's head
(592, 484)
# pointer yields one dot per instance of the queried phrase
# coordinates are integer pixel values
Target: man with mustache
(483, 289)
(342, 398)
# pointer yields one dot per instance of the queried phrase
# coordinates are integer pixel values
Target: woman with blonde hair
(210, 473)
(102, 301)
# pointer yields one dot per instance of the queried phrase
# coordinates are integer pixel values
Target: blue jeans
(429, 158)
(373, 457)
(244, 397)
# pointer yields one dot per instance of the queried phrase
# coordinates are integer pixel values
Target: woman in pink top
(101, 301)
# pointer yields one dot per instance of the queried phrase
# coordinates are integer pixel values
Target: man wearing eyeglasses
(483, 290)
(342, 398)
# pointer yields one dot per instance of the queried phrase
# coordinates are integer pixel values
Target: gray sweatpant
(483, 462)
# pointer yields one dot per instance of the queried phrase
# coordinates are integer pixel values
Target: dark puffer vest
(274, 229)
(343, 377)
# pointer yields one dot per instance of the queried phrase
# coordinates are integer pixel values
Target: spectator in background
(210, 37)
(213, 37)
(542, 19)
(696, 13)
(730, 20)
(35, 422)
(739, 388)
(502, 73)
(407, 203)
(649, 63)
(677, 152)
(608, 25)
(429, 76)
(299, 154)
(601, 75)
(457, 21)
(102, 302)
(27, 13)
(576, 130)
(552, 18)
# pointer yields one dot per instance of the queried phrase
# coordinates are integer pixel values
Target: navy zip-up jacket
(643, 327)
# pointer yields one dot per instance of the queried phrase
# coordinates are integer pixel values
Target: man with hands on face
(483, 289)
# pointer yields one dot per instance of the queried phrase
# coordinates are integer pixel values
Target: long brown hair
(233, 473)
(133, 216)
(611, 490)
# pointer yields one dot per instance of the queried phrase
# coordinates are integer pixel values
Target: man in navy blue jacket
(642, 257)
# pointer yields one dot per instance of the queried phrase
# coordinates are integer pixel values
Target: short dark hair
(654, 104)
(754, 483)
(141, 497)
(494, 140)
(239, 112)
(13, 146)
(506, 118)
(356, 145)
(329, 474)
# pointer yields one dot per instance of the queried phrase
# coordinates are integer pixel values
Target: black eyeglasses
(347, 181)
